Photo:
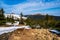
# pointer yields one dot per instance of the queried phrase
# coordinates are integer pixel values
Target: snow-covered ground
(12, 28)
(15, 16)
(16, 23)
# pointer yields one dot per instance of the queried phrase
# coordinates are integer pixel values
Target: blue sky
(51, 7)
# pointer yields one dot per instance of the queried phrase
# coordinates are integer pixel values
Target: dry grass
(33, 34)
(21, 25)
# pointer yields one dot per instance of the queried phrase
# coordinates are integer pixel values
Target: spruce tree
(2, 17)
(21, 19)
(46, 20)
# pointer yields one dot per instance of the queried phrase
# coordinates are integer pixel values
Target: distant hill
(41, 16)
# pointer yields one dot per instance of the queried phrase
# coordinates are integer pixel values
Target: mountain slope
(42, 16)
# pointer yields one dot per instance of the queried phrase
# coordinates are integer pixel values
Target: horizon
(27, 7)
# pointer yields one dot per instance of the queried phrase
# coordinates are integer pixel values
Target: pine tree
(2, 17)
(46, 20)
(21, 19)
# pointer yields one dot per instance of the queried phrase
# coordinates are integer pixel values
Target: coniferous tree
(2, 17)
(10, 19)
(46, 20)
(21, 19)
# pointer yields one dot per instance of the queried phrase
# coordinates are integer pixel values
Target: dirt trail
(33, 34)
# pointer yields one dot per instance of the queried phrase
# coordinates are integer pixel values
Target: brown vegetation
(33, 34)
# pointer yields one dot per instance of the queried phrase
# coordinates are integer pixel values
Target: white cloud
(29, 6)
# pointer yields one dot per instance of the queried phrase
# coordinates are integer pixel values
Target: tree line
(10, 18)
(46, 22)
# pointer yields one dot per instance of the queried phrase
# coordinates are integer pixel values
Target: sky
(51, 7)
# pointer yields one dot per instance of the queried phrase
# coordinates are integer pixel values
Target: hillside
(39, 16)
(33, 34)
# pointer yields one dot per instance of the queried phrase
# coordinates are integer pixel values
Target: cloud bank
(51, 7)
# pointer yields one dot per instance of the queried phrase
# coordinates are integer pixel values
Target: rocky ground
(5, 36)
(33, 34)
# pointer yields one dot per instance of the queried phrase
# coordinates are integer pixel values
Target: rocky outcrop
(33, 34)
(5, 36)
